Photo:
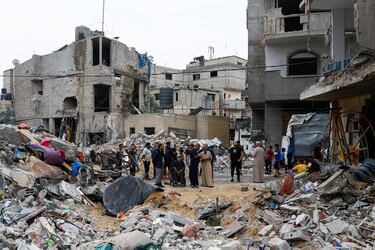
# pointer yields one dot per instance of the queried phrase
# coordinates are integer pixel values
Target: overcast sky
(172, 31)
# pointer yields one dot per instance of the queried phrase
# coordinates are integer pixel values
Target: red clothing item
(269, 154)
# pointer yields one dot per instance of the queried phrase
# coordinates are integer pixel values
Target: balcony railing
(234, 104)
(336, 66)
(278, 24)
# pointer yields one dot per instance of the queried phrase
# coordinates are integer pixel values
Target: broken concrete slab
(234, 245)
(334, 184)
(40, 169)
(232, 229)
(265, 231)
(296, 235)
(70, 190)
(21, 177)
(278, 244)
(337, 226)
(270, 218)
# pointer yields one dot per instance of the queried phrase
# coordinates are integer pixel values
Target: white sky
(172, 31)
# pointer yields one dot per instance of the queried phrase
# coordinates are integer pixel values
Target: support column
(338, 35)
(273, 123)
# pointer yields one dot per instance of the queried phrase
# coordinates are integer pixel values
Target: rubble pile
(334, 212)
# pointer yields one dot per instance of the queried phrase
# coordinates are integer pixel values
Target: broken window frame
(95, 51)
(37, 86)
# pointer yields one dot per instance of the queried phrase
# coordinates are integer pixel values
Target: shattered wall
(364, 19)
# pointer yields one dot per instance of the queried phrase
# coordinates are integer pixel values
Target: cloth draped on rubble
(125, 193)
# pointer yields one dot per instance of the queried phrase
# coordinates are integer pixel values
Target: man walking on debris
(158, 162)
(146, 157)
(236, 156)
(194, 166)
(206, 159)
(268, 160)
(258, 169)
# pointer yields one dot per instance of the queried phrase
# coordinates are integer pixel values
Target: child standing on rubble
(278, 158)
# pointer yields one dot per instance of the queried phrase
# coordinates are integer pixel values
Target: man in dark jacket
(158, 162)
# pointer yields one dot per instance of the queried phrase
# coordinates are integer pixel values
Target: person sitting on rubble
(301, 167)
(287, 187)
(178, 174)
(133, 159)
(314, 169)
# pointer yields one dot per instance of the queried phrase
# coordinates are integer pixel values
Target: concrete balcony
(234, 104)
(279, 28)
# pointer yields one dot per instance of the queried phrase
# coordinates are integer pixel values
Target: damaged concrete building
(205, 87)
(83, 90)
(286, 50)
(349, 80)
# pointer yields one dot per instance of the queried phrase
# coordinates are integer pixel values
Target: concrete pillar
(338, 35)
(142, 96)
(273, 123)
(51, 125)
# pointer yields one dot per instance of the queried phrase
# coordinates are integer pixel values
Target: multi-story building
(349, 79)
(206, 87)
(83, 89)
(286, 50)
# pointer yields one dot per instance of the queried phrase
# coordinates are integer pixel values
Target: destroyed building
(204, 87)
(83, 89)
(349, 79)
(286, 51)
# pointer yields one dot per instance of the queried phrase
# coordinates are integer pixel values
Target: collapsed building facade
(286, 49)
(83, 90)
(349, 82)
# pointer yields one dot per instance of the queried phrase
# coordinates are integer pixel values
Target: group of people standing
(280, 160)
(171, 161)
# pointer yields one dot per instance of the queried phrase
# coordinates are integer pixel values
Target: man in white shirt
(146, 157)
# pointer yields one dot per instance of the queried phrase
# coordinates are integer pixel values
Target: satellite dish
(16, 62)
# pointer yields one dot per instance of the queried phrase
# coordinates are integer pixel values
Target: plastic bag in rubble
(125, 193)
(8, 211)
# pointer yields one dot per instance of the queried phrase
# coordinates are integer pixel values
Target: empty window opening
(37, 87)
(106, 51)
(168, 76)
(135, 95)
(213, 73)
(95, 51)
(81, 36)
(225, 95)
(149, 130)
(289, 7)
(157, 97)
(196, 77)
(131, 131)
(96, 138)
(176, 97)
(303, 63)
(70, 103)
(117, 77)
(239, 63)
(212, 96)
(102, 95)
